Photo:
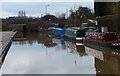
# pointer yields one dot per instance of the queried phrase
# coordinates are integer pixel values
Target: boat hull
(114, 45)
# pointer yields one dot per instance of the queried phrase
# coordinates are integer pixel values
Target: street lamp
(46, 7)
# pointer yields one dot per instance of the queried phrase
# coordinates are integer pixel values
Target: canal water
(44, 53)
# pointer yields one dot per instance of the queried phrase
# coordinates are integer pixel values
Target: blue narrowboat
(71, 33)
(58, 31)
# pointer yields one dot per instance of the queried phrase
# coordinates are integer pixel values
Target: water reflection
(3, 55)
(43, 53)
(107, 61)
(31, 38)
(40, 53)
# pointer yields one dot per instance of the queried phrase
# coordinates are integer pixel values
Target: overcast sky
(47, 0)
(37, 7)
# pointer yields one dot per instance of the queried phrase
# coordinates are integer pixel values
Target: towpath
(5, 38)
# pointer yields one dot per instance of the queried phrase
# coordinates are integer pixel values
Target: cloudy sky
(47, 0)
(37, 7)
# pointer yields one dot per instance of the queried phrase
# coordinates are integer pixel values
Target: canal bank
(5, 42)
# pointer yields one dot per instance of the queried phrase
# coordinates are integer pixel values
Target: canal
(44, 53)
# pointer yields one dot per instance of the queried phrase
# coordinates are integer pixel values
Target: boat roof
(71, 30)
(74, 29)
(58, 28)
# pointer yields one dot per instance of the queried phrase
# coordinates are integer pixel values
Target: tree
(82, 14)
(51, 18)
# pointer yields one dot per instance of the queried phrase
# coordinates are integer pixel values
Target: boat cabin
(58, 31)
(102, 36)
(73, 33)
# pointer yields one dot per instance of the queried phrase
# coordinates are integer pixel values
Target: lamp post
(46, 7)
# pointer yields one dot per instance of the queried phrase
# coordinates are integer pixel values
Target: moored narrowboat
(58, 31)
(76, 34)
(102, 39)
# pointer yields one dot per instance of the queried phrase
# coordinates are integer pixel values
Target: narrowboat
(102, 39)
(58, 31)
(75, 34)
